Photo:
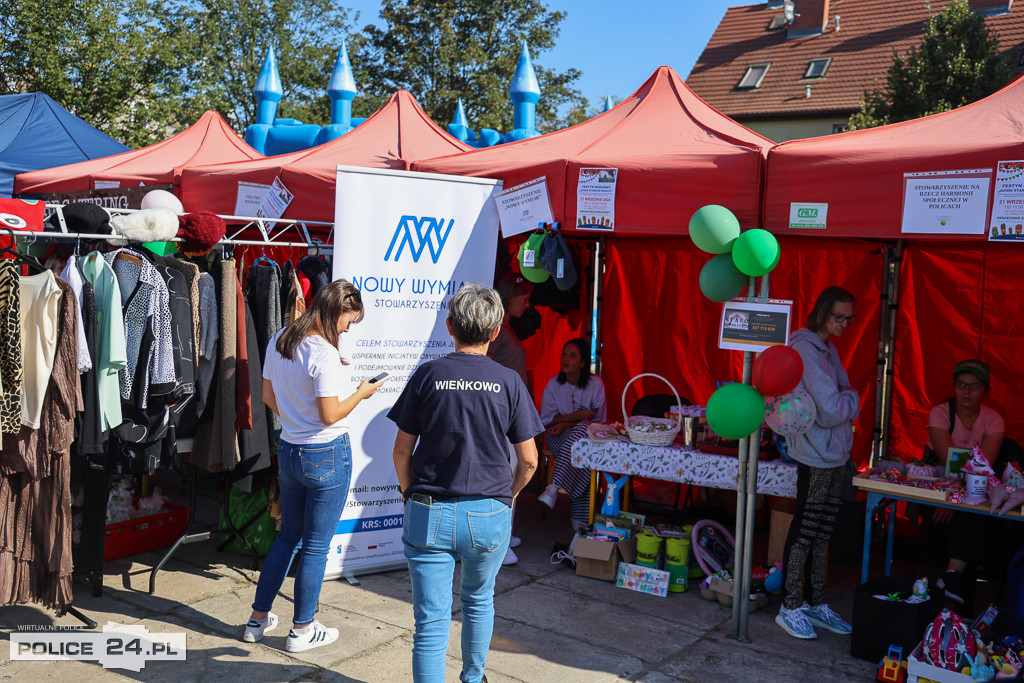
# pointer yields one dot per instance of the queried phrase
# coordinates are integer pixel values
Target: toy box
(877, 624)
(600, 559)
(918, 668)
(143, 534)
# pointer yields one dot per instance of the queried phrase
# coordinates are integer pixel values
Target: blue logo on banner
(355, 526)
(420, 232)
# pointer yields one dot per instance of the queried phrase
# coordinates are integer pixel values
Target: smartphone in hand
(374, 380)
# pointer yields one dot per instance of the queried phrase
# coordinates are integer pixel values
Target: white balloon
(162, 199)
(790, 414)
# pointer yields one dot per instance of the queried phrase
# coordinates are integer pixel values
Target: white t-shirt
(314, 371)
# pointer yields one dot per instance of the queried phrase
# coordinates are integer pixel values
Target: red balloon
(777, 371)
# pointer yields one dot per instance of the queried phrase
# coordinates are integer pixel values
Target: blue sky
(617, 45)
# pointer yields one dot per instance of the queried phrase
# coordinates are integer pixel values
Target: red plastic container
(145, 533)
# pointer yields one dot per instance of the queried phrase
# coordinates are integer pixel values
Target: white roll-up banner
(408, 241)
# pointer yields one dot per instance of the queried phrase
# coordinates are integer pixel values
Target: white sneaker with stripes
(315, 635)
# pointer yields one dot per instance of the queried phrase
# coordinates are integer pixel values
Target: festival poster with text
(408, 241)
(1007, 222)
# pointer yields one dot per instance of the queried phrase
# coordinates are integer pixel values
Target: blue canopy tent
(36, 133)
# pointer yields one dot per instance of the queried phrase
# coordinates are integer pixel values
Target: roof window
(817, 68)
(754, 76)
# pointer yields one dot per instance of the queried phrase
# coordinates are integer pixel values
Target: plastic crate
(145, 533)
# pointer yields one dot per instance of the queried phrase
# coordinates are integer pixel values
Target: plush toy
(611, 496)
(920, 592)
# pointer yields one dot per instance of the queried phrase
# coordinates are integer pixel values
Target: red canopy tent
(398, 133)
(958, 294)
(209, 139)
(674, 154)
(860, 174)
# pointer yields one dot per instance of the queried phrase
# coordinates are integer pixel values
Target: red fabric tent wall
(398, 133)
(955, 303)
(657, 320)
(209, 139)
(673, 151)
(860, 174)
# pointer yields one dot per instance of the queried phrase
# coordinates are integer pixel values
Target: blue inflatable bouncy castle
(271, 135)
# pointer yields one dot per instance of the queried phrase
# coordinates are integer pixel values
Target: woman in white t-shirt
(301, 379)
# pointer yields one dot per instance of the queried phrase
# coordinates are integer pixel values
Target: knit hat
(83, 217)
(975, 367)
(200, 231)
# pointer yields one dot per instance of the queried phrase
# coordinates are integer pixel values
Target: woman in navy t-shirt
(456, 418)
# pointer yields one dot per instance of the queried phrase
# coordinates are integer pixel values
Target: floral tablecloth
(684, 465)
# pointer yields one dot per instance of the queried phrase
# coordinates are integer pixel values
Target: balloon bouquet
(736, 410)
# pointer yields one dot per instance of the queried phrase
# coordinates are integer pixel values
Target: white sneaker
(510, 558)
(254, 630)
(514, 542)
(549, 496)
(317, 635)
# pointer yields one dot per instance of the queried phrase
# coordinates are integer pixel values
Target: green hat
(975, 367)
(536, 272)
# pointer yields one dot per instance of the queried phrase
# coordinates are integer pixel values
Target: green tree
(228, 40)
(112, 64)
(957, 62)
(443, 50)
(142, 70)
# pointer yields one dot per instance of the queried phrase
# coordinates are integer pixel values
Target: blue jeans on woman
(314, 486)
(476, 529)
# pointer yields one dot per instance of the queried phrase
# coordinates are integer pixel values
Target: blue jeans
(476, 529)
(314, 485)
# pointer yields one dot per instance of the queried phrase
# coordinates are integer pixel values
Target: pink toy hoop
(709, 528)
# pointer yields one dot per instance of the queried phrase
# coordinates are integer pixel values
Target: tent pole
(745, 563)
(890, 371)
(883, 336)
(596, 304)
(739, 585)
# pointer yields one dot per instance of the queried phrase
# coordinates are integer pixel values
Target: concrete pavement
(550, 625)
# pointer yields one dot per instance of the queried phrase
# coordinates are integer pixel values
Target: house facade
(799, 69)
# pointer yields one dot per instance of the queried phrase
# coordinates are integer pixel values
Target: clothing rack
(264, 225)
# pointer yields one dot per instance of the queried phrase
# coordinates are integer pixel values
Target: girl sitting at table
(572, 399)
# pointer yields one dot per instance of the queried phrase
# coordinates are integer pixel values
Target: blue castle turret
(608, 104)
(459, 127)
(342, 90)
(268, 92)
(525, 92)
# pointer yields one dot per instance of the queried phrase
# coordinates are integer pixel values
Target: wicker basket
(662, 432)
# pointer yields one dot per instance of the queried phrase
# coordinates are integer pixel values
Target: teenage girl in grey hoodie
(821, 454)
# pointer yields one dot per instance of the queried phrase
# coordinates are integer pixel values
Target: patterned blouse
(146, 304)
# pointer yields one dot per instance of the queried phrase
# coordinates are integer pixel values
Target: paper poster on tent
(524, 207)
(595, 199)
(275, 200)
(754, 326)
(946, 202)
(249, 198)
(408, 241)
(1007, 222)
(807, 215)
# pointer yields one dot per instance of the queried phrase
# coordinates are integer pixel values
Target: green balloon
(713, 229)
(720, 280)
(755, 252)
(735, 410)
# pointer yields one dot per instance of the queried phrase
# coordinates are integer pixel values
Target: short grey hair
(475, 312)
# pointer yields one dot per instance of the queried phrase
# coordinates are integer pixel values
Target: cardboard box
(600, 559)
(778, 530)
(918, 668)
(877, 624)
